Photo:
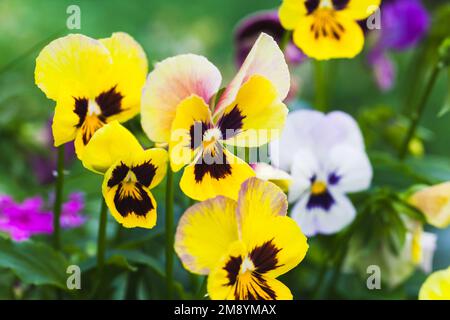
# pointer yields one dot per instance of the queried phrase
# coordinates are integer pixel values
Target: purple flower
(44, 165)
(251, 27)
(403, 24)
(23, 220)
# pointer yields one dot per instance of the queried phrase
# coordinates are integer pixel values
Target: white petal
(338, 217)
(337, 128)
(315, 130)
(305, 218)
(428, 243)
(304, 167)
(296, 134)
(352, 166)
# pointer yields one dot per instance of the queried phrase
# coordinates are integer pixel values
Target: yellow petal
(192, 115)
(259, 200)
(172, 81)
(129, 70)
(109, 144)
(264, 227)
(339, 37)
(73, 66)
(437, 286)
(361, 9)
(204, 181)
(265, 59)
(290, 13)
(233, 279)
(205, 232)
(256, 117)
(434, 202)
(65, 121)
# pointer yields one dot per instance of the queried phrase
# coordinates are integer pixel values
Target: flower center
(318, 187)
(326, 4)
(93, 108)
(326, 25)
(247, 265)
(210, 137)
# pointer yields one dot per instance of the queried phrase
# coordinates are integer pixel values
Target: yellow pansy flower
(178, 108)
(327, 29)
(437, 286)
(93, 83)
(244, 245)
(434, 202)
(130, 172)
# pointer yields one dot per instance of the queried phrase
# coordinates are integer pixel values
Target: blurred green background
(166, 28)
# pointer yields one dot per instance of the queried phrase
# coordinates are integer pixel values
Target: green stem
(418, 113)
(101, 241)
(169, 233)
(59, 185)
(320, 86)
(203, 288)
(285, 40)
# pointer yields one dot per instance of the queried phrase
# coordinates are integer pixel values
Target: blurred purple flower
(251, 27)
(403, 24)
(44, 165)
(23, 220)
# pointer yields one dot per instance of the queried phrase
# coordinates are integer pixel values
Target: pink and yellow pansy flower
(178, 108)
(130, 172)
(243, 245)
(327, 29)
(93, 83)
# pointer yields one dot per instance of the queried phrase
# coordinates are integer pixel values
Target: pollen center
(318, 187)
(93, 108)
(326, 24)
(210, 137)
(247, 265)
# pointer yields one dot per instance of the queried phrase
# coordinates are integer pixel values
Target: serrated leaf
(34, 263)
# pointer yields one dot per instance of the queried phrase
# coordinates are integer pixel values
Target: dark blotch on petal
(119, 173)
(320, 201)
(138, 203)
(217, 167)
(333, 179)
(231, 123)
(145, 173)
(81, 107)
(110, 102)
(264, 257)
(262, 284)
(196, 132)
(232, 267)
(311, 5)
(340, 4)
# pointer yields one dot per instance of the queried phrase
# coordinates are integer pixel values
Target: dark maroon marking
(231, 123)
(110, 102)
(128, 204)
(196, 132)
(145, 173)
(232, 267)
(340, 4)
(264, 257)
(119, 173)
(81, 107)
(217, 167)
(262, 284)
(323, 201)
(311, 5)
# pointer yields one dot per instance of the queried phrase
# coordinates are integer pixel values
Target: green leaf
(34, 263)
